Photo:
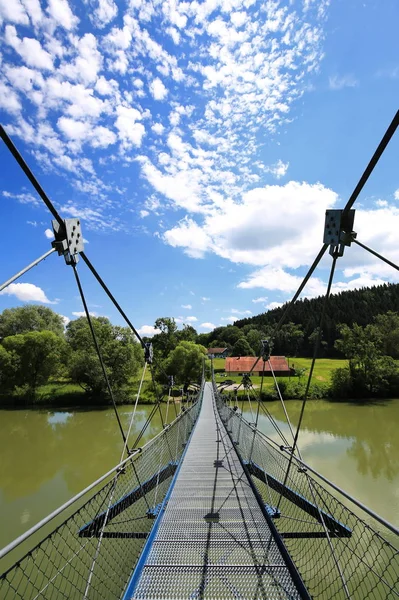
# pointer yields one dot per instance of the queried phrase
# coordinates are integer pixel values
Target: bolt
(78, 222)
(74, 228)
(75, 249)
(72, 234)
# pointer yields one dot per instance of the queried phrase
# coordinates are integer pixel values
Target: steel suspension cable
(315, 353)
(26, 269)
(385, 260)
(373, 162)
(18, 157)
(100, 358)
(270, 417)
(283, 405)
(125, 447)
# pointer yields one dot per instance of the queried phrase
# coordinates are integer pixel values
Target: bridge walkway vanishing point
(213, 540)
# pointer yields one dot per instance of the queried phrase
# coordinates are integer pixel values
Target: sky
(200, 143)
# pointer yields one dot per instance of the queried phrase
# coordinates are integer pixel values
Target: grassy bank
(66, 394)
(324, 367)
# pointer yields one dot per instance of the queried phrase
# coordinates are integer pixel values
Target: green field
(322, 371)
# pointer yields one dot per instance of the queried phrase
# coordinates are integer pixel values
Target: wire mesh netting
(91, 551)
(358, 559)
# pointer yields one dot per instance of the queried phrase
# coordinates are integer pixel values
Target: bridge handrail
(333, 485)
(23, 537)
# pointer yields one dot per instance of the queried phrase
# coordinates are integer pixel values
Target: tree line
(297, 337)
(36, 348)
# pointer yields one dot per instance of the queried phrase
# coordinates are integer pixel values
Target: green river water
(46, 457)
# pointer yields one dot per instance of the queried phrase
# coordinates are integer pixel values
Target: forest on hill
(297, 336)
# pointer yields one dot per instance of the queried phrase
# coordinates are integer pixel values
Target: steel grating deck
(212, 540)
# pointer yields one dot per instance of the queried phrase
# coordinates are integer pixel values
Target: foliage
(167, 340)
(187, 334)
(185, 363)
(8, 366)
(34, 357)
(122, 356)
(370, 372)
(30, 317)
(242, 348)
(354, 306)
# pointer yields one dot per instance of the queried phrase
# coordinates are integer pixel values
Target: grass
(322, 371)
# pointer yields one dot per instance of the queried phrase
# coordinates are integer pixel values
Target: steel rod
(22, 163)
(26, 269)
(374, 160)
(391, 264)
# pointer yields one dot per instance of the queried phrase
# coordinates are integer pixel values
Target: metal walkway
(213, 539)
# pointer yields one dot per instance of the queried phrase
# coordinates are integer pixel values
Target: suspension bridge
(210, 507)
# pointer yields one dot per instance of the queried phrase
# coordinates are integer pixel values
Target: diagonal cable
(100, 358)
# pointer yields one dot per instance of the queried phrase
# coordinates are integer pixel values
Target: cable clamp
(266, 349)
(68, 239)
(148, 353)
(338, 230)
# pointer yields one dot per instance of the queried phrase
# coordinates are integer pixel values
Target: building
(217, 352)
(238, 365)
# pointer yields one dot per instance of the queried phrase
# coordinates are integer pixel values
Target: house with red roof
(238, 365)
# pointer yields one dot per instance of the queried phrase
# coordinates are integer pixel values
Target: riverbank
(64, 394)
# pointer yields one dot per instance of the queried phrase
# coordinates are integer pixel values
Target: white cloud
(13, 11)
(130, 132)
(205, 299)
(27, 292)
(104, 12)
(235, 311)
(49, 234)
(23, 198)
(279, 225)
(260, 299)
(81, 313)
(230, 319)
(158, 128)
(144, 213)
(279, 169)
(396, 195)
(336, 82)
(187, 306)
(158, 90)
(33, 9)
(148, 330)
(207, 326)
(29, 49)
(62, 14)
(272, 305)
(9, 99)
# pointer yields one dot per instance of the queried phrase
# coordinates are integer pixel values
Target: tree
(231, 334)
(388, 326)
(167, 340)
(203, 339)
(122, 356)
(187, 334)
(371, 373)
(28, 318)
(242, 348)
(185, 363)
(35, 356)
(8, 366)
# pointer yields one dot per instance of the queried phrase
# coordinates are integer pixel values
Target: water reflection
(46, 457)
(356, 446)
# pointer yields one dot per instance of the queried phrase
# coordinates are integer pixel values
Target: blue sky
(200, 143)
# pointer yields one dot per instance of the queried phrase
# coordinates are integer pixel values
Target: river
(48, 456)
